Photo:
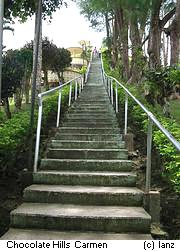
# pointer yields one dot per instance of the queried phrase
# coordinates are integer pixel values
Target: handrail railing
(78, 81)
(108, 80)
(41, 97)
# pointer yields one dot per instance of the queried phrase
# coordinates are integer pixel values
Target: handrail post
(126, 114)
(82, 83)
(79, 83)
(70, 94)
(116, 97)
(38, 133)
(148, 163)
(112, 98)
(59, 108)
(107, 84)
(76, 87)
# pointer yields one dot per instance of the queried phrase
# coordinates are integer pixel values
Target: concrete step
(87, 153)
(86, 144)
(91, 112)
(100, 107)
(93, 117)
(84, 195)
(82, 130)
(126, 179)
(86, 165)
(96, 99)
(94, 102)
(91, 124)
(42, 234)
(88, 137)
(81, 218)
(88, 95)
(91, 105)
(92, 120)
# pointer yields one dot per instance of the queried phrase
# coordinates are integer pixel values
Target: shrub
(14, 132)
(167, 151)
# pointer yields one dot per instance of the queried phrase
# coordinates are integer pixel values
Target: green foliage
(12, 72)
(61, 60)
(14, 132)
(83, 69)
(161, 82)
(26, 8)
(167, 151)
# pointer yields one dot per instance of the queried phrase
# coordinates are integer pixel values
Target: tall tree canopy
(142, 20)
(26, 8)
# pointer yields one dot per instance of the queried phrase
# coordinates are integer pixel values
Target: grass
(175, 109)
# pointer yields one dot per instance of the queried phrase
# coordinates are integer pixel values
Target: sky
(67, 28)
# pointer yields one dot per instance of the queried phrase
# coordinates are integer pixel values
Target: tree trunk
(137, 62)
(27, 89)
(6, 107)
(107, 32)
(114, 44)
(154, 44)
(39, 66)
(18, 99)
(46, 84)
(175, 36)
(123, 36)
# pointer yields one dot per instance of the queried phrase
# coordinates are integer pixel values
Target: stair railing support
(38, 133)
(126, 114)
(112, 97)
(76, 89)
(149, 150)
(59, 108)
(82, 83)
(70, 94)
(116, 97)
(79, 83)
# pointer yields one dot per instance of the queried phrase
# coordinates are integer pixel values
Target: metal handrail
(151, 120)
(41, 97)
(47, 93)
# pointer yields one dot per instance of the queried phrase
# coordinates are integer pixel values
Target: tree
(26, 59)
(49, 51)
(61, 61)
(12, 72)
(174, 32)
(27, 8)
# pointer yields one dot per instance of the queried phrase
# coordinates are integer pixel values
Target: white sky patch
(67, 28)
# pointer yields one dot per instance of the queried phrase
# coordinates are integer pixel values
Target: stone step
(88, 137)
(94, 120)
(86, 165)
(82, 130)
(96, 99)
(91, 124)
(100, 95)
(92, 106)
(84, 195)
(93, 117)
(86, 144)
(94, 102)
(87, 153)
(89, 111)
(42, 234)
(117, 219)
(97, 119)
(126, 179)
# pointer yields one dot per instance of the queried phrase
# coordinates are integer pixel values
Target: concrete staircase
(85, 187)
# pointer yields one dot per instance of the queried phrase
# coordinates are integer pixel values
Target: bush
(14, 132)
(167, 151)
